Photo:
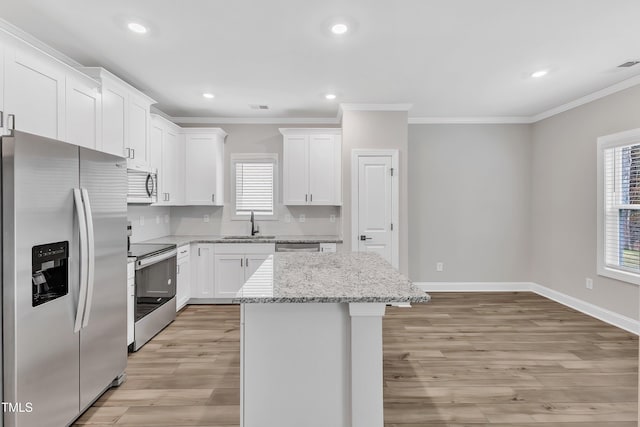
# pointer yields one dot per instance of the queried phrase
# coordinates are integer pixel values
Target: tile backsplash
(148, 222)
(190, 220)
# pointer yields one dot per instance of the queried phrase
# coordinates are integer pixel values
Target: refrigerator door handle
(82, 223)
(91, 252)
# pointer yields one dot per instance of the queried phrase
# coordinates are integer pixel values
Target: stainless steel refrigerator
(64, 311)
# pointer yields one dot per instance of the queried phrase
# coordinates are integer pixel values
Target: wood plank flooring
(464, 359)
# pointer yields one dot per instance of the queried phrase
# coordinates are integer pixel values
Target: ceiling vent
(628, 64)
(258, 107)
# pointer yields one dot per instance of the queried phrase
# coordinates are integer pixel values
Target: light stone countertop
(185, 239)
(347, 277)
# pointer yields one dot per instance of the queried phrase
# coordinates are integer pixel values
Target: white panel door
(115, 119)
(374, 205)
(82, 113)
(138, 130)
(200, 158)
(322, 170)
(34, 94)
(229, 275)
(202, 287)
(296, 170)
(183, 282)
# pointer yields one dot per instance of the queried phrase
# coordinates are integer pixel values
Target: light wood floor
(472, 359)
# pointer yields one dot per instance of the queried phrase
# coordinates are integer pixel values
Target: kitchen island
(311, 339)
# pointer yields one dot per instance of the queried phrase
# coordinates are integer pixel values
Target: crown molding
(257, 120)
(372, 107)
(24, 37)
(625, 84)
(469, 120)
(310, 131)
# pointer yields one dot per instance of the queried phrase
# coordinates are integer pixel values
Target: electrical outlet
(332, 218)
(166, 219)
(589, 283)
(287, 217)
(302, 218)
(440, 266)
(157, 219)
(206, 218)
(141, 220)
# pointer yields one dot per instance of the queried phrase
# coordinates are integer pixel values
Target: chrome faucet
(254, 229)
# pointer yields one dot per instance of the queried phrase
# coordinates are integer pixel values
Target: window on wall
(254, 181)
(619, 206)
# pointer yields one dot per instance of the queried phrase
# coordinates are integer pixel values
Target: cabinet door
(202, 287)
(295, 170)
(34, 93)
(324, 173)
(252, 262)
(229, 275)
(82, 113)
(183, 279)
(170, 161)
(3, 113)
(178, 197)
(138, 130)
(114, 119)
(202, 156)
(156, 146)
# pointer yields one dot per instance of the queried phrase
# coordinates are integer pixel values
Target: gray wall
(469, 202)
(376, 130)
(255, 138)
(563, 230)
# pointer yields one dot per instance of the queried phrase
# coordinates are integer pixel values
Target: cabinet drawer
(244, 248)
(184, 251)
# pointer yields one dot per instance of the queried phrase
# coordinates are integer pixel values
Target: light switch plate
(332, 218)
(206, 218)
(302, 218)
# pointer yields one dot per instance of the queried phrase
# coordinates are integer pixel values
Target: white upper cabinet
(34, 92)
(115, 99)
(139, 106)
(3, 115)
(82, 112)
(125, 118)
(312, 166)
(204, 166)
(166, 153)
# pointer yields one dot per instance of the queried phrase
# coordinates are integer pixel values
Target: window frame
(620, 139)
(256, 158)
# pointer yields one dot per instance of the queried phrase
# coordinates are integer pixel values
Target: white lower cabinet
(131, 300)
(235, 263)
(183, 277)
(202, 286)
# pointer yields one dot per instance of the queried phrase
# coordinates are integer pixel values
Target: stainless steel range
(155, 282)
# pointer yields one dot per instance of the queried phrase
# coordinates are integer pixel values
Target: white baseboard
(608, 316)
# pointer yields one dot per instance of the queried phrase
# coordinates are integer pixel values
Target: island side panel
(367, 403)
(296, 365)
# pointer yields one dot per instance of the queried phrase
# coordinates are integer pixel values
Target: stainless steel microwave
(143, 186)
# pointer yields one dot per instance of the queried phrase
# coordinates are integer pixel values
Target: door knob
(363, 237)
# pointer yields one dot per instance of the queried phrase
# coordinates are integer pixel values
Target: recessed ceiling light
(540, 73)
(208, 95)
(339, 29)
(330, 96)
(137, 28)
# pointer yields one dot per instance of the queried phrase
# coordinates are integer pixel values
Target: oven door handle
(155, 259)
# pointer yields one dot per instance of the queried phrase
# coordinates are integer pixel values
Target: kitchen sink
(248, 237)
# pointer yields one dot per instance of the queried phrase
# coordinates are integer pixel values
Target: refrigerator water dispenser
(49, 272)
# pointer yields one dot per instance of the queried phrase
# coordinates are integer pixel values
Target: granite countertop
(183, 240)
(347, 277)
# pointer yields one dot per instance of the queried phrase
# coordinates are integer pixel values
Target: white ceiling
(449, 58)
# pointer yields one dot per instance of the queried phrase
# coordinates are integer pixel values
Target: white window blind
(622, 207)
(254, 187)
